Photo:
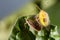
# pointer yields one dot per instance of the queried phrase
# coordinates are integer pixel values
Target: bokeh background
(8, 6)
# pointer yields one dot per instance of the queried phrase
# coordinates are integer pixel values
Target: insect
(38, 21)
(43, 18)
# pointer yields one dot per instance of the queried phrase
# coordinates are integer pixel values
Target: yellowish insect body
(43, 18)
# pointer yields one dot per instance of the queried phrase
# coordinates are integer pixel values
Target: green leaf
(54, 33)
(21, 31)
(25, 36)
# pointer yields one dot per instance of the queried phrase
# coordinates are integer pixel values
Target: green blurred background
(52, 7)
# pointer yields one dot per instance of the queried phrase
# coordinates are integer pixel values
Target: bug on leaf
(38, 21)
